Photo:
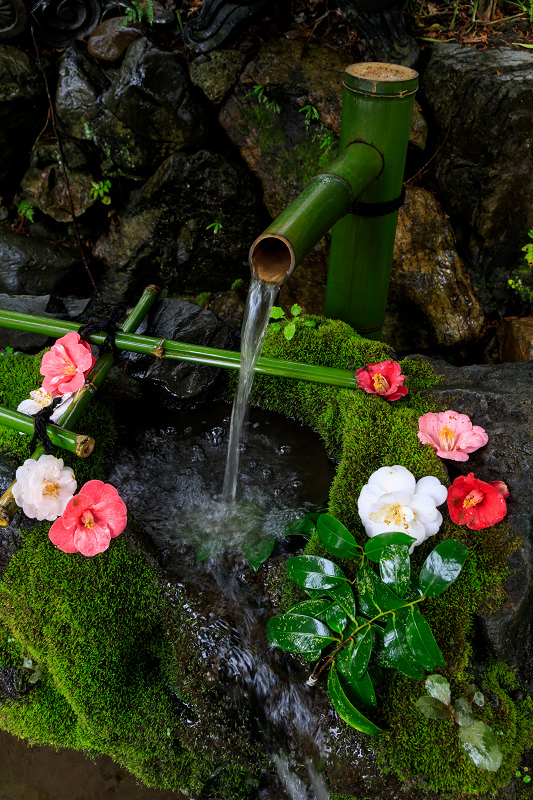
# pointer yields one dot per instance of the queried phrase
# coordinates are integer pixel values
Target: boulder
(481, 102)
(22, 110)
(431, 304)
(31, 266)
(42, 306)
(112, 37)
(184, 322)
(500, 399)
(189, 228)
(137, 114)
(229, 306)
(515, 339)
(45, 187)
(217, 73)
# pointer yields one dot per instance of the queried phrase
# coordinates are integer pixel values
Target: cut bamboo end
(84, 446)
(8, 507)
(272, 258)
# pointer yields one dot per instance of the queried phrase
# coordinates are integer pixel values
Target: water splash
(256, 315)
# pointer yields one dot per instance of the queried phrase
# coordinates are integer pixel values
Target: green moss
(364, 433)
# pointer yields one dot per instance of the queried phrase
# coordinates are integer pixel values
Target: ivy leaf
(360, 693)
(313, 572)
(433, 708)
(343, 595)
(352, 660)
(335, 537)
(395, 651)
(395, 568)
(298, 634)
(480, 744)
(439, 687)
(376, 544)
(442, 567)
(277, 313)
(257, 553)
(345, 709)
(421, 640)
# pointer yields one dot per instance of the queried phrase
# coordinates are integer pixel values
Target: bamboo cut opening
(272, 258)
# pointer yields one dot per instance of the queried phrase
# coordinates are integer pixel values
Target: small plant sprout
(380, 626)
(524, 290)
(216, 227)
(260, 92)
(100, 191)
(32, 669)
(136, 12)
(289, 329)
(311, 114)
(476, 738)
(24, 209)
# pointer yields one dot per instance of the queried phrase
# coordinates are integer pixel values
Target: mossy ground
(364, 432)
(114, 680)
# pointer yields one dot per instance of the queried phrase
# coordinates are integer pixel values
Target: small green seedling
(24, 209)
(525, 778)
(289, 329)
(216, 227)
(100, 191)
(524, 291)
(311, 114)
(476, 738)
(137, 12)
(260, 92)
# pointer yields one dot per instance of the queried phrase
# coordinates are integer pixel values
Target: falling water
(256, 316)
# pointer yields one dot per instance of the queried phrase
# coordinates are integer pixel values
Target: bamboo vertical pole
(377, 108)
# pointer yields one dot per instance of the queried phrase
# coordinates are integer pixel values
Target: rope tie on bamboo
(40, 421)
(110, 326)
(377, 209)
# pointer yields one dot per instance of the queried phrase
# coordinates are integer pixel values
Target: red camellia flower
(65, 365)
(475, 503)
(384, 379)
(90, 520)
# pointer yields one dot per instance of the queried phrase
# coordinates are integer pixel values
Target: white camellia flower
(39, 399)
(44, 487)
(393, 500)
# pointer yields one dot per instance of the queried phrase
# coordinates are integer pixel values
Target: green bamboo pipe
(377, 107)
(181, 351)
(327, 198)
(81, 399)
(77, 443)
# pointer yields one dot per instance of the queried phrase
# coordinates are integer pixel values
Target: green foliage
(25, 210)
(216, 227)
(262, 96)
(100, 190)
(388, 605)
(203, 299)
(522, 279)
(289, 328)
(237, 285)
(311, 114)
(137, 12)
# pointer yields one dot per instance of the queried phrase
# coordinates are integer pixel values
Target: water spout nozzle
(272, 258)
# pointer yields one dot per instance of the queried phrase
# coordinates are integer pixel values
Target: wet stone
(42, 306)
(111, 38)
(31, 266)
(217, 73)
(515, 338)
(229, 306)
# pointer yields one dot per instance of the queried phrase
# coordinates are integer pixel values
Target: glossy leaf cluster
(371, 622)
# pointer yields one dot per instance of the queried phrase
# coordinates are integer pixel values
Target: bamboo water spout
(377, 110)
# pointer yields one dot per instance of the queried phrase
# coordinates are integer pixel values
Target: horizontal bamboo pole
(77, 443)
(182, 351)
(81, 399)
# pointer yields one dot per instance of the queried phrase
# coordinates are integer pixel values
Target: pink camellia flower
(384, 379)
(475, 503)
(90, 520)
(65, 365)
(451, 435)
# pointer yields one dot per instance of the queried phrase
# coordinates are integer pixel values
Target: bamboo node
(84, 445)
(159, 351)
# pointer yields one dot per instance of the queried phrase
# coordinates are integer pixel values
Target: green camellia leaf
(352, 660)
(360, 693)
(374, 596)
(433, 708)
(395, 651)
(343, 595)
(463, 713)
(311, 608)
(257, 553)
(298, 634)
(421, 640)
(480, 744)
(442, 567)
(438, 687)
(335, 537)
(376, 544)
(395, 568)
(313, 572)
(305, 526)
(345, 709)
(335, 618)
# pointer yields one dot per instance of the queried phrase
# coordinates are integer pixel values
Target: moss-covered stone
(364, 433)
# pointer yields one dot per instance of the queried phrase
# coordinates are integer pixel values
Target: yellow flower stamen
(446, 438)
(381, 384)
(69, 368)
(51, 489)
